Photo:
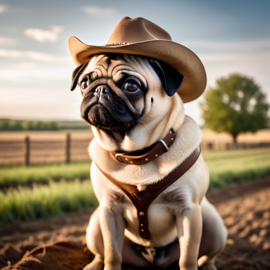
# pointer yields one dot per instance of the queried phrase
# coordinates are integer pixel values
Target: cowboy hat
(142, 37)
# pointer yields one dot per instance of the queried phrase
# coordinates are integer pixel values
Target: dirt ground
(245, 209)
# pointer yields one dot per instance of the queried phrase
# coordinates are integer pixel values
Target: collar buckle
(165, 145)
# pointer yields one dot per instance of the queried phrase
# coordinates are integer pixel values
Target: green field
(22, 175)
(226, 167)
(46, 193)
(42, 201)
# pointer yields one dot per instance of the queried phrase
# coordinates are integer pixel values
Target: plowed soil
(245, 209)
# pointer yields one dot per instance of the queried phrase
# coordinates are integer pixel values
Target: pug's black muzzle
(102, 108)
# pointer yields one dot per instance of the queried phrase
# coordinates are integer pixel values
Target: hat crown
(136, 30)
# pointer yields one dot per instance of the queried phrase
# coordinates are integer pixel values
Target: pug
(131, 103)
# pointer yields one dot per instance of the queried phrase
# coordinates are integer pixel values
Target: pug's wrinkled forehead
(115, 67)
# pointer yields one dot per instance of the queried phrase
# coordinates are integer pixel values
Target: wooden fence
(218, 146)
(31, 151)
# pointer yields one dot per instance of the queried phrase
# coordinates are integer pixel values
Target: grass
(22, 175)
(222, 179)
(237, 166)
(220, 163)
(24, 204)
(41, 201)
(241, 163)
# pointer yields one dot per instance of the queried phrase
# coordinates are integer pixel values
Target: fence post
(27, 151)
(68, 148)
(210, 146)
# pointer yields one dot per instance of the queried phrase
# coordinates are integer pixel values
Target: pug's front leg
(112, 227)
(189, 227)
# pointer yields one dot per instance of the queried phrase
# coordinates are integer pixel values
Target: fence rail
(30, 151)
(216, 146)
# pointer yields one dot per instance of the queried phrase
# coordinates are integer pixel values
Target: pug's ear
(170, 78)
(75, 75)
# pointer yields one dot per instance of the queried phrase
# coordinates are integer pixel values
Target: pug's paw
(208, 266)
(96, 264)
(112, 267)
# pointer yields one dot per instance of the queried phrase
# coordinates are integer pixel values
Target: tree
(54, 125)
(15, 125)
(4, 124)
(29, 125)
(235, 105)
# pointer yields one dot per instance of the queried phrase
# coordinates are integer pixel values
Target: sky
(36, 66)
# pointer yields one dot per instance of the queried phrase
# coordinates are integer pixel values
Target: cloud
(5, 41)
(256, 64)
(3, 8)
(33, 55)
(27, 65)
(44, 35)
(48, 74)
(250, 58)
(94, 10)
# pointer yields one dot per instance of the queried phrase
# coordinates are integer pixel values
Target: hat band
(115, 44)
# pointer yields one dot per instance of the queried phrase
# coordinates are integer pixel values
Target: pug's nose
(102, 90)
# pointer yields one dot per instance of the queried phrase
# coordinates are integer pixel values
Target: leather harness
(142, 199)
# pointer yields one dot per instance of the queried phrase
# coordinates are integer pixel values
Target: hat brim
(172, 53)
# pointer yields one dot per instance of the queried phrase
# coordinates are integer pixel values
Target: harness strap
(142, 199)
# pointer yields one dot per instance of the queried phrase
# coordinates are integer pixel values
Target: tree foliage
(235, 105)
(11, 124)
(8, 124)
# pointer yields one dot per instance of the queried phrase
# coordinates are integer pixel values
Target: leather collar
(139, 157)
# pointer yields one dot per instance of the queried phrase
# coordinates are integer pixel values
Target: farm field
(244, 208)
(32, 186)
(15, 175)
(226, 167)
(23, 204)
(219, 163)
(44, 203)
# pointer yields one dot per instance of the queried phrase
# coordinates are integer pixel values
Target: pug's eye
(131, 87)
(84, 84)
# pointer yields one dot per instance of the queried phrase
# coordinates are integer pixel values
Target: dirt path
(245, 209)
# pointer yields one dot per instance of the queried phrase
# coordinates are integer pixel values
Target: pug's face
(119, 91)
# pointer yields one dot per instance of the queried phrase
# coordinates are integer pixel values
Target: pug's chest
(160, 216)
